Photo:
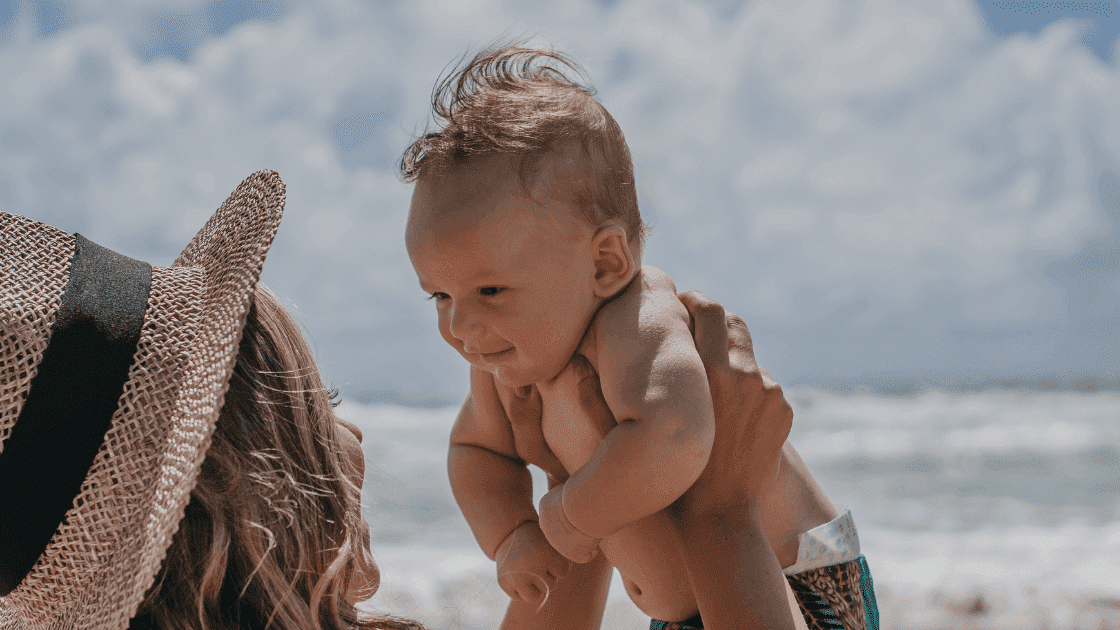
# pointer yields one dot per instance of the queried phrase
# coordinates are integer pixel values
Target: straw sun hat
(112, 373)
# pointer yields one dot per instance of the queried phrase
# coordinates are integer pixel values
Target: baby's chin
(509, 377)
(517, 369)
(515, 375)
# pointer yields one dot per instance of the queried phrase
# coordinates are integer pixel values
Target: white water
(1013, 491)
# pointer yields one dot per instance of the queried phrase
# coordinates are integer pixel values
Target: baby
(524, 229)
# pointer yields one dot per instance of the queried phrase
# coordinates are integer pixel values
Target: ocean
(993, 509)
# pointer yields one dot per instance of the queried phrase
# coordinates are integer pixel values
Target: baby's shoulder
(645, 313)
(654, 280)
(649, 299)
(647, 362)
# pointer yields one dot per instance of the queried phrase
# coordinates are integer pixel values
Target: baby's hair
(524, 103)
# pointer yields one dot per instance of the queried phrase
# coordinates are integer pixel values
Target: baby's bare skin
(531, 295)
(654, 576)
(641, 551)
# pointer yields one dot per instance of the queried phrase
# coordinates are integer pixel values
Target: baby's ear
(614, 262)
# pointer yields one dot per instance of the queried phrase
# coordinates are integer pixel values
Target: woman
(128, 492)
(132, 497)
(273, 533)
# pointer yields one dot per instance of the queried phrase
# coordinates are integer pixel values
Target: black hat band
(70, 402)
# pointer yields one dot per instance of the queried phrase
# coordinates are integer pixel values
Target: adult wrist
(702, 526)
(687, 510)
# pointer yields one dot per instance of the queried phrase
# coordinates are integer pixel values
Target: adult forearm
(735, 577)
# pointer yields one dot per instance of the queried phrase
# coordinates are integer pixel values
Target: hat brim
(113, 540)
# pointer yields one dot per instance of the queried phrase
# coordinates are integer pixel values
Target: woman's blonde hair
(272, 537)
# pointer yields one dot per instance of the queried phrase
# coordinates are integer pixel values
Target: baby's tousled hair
(525, 103)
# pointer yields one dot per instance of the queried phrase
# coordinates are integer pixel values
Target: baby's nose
(465, 325)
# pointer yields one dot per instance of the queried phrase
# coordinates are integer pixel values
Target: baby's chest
(571, 430)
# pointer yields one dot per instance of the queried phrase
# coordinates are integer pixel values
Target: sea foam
(1011, 497)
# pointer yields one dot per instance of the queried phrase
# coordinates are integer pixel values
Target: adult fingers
(557, 568)
(524, 405)
(740, 347)
(767, 380)
(591, 395)
(523, 408)
(709, 328)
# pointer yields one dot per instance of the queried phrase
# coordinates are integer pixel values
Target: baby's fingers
(526, 586)
(561, 533)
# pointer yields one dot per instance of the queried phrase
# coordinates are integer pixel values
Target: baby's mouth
(491, 356)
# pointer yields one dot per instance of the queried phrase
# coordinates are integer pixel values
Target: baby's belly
(652, 571)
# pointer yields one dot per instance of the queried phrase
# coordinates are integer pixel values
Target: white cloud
(779, 166)
(795, 158)
(856, 174)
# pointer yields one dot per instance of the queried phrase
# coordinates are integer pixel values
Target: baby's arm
(654, 383)
(494, 490)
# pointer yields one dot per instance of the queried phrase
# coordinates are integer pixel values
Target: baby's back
(643, 551)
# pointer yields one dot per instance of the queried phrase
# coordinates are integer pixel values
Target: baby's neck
(589, 344)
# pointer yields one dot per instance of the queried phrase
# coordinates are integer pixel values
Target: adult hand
(735, 575)
(752, 416)
(523, 407)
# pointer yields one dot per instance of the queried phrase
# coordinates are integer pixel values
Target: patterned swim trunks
(837, 597)
(841, 596)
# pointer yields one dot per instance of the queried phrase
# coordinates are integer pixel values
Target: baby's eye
(438, 296)
(488, 291)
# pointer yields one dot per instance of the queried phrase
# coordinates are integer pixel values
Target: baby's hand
(569, 541)
(528, 566)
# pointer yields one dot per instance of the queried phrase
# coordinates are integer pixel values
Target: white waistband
(825, 545)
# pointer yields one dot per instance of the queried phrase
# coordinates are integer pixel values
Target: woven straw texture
(34, 268)
(107, 552)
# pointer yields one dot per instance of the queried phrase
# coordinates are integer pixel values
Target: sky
(894, 194)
